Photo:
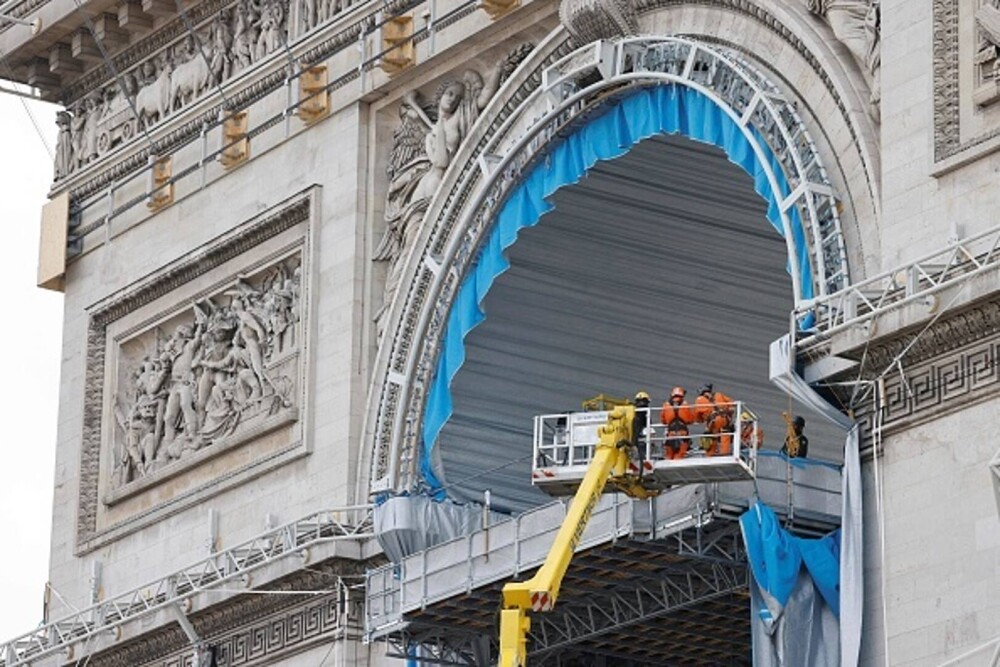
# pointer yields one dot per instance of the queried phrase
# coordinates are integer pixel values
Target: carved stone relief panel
(966, 84)
(223, 370)
(195, 376)
(986, 62)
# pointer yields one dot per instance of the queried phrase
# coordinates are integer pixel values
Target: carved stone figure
(188, 80)
(64, 146)
(424, 146)
(78, 126)
(408, 163)
(271, 35)
(180, 413)
(307, 15)
(152, 101)
(330, 8)
(221, 48)
(94, 108)
(244, 36)
(221, 368)
(857, 25)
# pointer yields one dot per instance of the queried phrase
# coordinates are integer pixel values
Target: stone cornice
(926, 343)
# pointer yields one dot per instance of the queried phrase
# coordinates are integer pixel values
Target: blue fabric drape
(668, 109)
(776, 556)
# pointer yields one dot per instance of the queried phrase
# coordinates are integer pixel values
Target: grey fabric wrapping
(851, 556)
(407, 524)
(804, 633)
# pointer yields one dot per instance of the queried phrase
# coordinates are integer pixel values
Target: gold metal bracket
(236, 143)
(397, 44)
(161, 187)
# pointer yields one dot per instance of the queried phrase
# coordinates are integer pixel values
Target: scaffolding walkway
(921, 281)
(657, 577)
(233, 565)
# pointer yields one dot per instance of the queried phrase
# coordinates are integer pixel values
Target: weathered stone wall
(938, 154)
(942, 542)
(300, 469)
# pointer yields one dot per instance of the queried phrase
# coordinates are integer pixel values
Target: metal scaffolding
(660, 581)
(229, 566)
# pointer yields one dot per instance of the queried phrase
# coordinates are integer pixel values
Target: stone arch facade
(814, 73)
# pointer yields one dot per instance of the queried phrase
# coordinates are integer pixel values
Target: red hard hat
(677, 391)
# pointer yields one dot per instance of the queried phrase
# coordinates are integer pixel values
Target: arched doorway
(602, 100)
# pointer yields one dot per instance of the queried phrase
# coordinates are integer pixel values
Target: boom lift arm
(609, 465)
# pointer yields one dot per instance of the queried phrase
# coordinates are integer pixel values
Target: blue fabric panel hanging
(776, 556)
(669, 109)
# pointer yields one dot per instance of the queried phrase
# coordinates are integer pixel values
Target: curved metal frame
(461, 216)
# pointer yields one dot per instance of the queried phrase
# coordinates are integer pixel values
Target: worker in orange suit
(715, 410)
(677, 416)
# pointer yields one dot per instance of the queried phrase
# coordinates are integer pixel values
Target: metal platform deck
(662, 581)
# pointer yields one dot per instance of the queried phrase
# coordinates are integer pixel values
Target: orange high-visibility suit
(716, 412)
(677, 416)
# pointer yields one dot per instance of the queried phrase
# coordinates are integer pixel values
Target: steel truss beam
(434, 645)
(576, 623)
(689, 576)
(230, 566)
(920, 281)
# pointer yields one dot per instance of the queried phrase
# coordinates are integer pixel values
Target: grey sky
(30, 338)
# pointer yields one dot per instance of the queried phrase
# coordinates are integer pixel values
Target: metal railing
(294, 65)
(568, 439)
(492, 554)
(918, 281)
(227, 566)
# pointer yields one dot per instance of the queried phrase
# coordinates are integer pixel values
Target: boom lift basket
(564, 445)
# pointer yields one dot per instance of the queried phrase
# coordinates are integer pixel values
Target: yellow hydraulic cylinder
(514, 627)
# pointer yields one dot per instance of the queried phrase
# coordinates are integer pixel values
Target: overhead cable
(189, 26)
(34, 121)
(114, 73)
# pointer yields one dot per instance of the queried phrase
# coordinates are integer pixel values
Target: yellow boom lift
(610, 465)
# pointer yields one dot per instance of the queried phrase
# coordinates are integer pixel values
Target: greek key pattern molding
(249, 629)
(947, 367)
(250, 234)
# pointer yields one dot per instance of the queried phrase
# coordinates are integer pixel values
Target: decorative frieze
(171, 79)
(253, 629)
(934, 370)
(172, 381)
(218, 373)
